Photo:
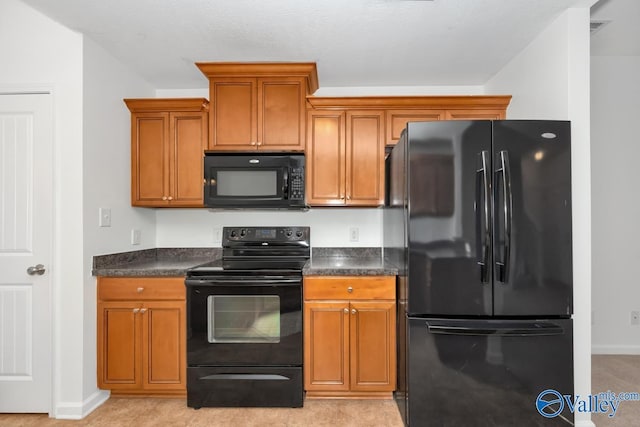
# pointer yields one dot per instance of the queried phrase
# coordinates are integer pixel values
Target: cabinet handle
(144, 310)
(136, 310)
(348, 197)
(353, 311)
(140, 289)
(346, 311)
(349, 289)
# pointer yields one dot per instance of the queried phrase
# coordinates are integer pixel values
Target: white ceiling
(353, 42)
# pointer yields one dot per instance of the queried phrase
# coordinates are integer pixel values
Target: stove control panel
(262, 235)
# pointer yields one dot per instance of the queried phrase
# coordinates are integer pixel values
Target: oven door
(244, 321)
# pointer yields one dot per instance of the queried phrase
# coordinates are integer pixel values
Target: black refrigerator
(478, 220)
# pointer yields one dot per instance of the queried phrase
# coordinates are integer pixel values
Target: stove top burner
(259, 250)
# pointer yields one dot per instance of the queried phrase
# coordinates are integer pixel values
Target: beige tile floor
(149, 412)
(615, 373)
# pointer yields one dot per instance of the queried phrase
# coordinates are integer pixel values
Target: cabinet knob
(353, 311)
(136, 310)
(144, 310)
(140, 289)
(170, 198)
(349, 289)
(253, 143)
(164, 197)
(346, 311)
(348, 197)
(259, 143)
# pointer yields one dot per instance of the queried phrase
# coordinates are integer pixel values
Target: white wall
(107, 182)
(91, 168)
(615, 90)
(37, 52)
(550, 80)
(329, 226)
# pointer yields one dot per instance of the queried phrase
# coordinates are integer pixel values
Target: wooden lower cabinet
(350, 344)
(141, 336)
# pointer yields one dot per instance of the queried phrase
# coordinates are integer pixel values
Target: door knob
(36, 269)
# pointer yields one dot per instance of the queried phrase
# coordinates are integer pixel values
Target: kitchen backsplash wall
(335, 227)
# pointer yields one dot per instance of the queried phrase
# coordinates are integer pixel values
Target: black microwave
(254, 180)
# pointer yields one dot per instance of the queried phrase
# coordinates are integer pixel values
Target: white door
(26, 223)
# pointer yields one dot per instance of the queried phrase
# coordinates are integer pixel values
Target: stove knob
(299, 233)
(288, 233)
(243, 233)
(233, 233)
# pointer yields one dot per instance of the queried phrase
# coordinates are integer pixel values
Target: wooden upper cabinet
(345, 158)
(397, 120)
(399, 110)
(475, 115)
(325, 158)
(168, 139)
(259, 106)
(365, 158)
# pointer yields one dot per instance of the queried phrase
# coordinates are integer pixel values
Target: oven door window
(243, 318)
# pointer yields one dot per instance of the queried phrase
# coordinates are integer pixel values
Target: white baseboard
(585, 423)
(77, 411)
(615, 349)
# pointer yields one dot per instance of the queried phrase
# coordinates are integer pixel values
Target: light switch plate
(104, 219)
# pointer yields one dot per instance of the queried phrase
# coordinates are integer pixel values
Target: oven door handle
(243, 282)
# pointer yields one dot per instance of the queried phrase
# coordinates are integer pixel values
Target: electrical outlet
(104, 219)
(217, 234)
(135, 236)
(635, 317)
(354, 234)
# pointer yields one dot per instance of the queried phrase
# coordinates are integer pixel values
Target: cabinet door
(164, 345)
(397, 120)
(119, 346)
(189, 136)
(149, 159)
(234, 120)
(365, 158)
(325, 155)
(326, 346)
(372, 346)
(281, 114)
(475, 114)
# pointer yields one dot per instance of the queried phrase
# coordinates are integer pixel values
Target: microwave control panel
(296, 184)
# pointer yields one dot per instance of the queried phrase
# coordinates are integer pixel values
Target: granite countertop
(348, 262)
(153, 262)
(176, 261)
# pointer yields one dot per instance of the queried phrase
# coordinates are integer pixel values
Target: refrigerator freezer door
(487, 372)
(449, 172)
(532, 218)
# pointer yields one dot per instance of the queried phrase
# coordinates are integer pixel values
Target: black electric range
(244, 320)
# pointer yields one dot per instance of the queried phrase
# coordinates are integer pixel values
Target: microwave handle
(285, 184)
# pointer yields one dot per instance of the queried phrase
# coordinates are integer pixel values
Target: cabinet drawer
(350, 287)
(144, 288)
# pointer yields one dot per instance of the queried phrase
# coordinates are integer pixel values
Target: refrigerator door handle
(505, 170)
(483, 237)
(521, 329)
